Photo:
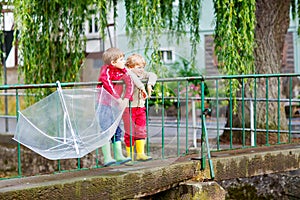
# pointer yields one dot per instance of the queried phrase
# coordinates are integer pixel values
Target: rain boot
(108, 160)
(130, 155)
(118, 154)
(130, 152)
(140, 155)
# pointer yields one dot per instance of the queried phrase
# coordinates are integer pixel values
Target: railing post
(19, 145)
(147, 129)
(290, 107)
(252, 124)
(203, 159)
(230, 112)
(243, 113)
(186, 117)
(162, 121)
(178, 119)
(194, 119)
(254, 117)
(217, 112)
(267, 111)
(278, 111)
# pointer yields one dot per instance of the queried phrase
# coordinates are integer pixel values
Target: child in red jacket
(114, 70)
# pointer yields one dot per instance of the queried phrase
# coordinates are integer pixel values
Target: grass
(11, 104)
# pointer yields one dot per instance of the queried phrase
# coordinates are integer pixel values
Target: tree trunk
(272, 24)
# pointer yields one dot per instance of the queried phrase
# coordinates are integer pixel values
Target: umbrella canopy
(67, 123)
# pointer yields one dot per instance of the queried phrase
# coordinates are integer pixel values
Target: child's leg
(117, 146)
(129, 145)
(105, 117)
(108, 160)
(129, 131)
(141, 134)
(117, 136)
(140, 124)
(140, 151)
(105, 121)
(128, 138)
(129, 126)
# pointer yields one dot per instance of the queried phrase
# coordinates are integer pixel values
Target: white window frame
(165, 55)
(91, 33)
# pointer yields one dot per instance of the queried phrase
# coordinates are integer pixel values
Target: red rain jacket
(108, 74)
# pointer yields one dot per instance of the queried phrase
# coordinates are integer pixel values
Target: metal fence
(241, 111)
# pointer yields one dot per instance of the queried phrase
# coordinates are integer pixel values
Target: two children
(113, 70)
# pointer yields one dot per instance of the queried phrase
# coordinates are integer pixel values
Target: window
(91, 26)
(167, 56)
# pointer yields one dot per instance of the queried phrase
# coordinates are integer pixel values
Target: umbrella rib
(34, 126)
(59, 89)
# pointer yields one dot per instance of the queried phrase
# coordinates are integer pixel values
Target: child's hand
(119, 100)
(144, 94)
(123, 102)
(149, 88)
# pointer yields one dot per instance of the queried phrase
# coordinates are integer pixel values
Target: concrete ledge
(148, 178)
(122, 182)
(256, 161)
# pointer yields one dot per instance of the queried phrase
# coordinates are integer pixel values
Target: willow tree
(270, 34)
(246, 47)
(152, 18)
(51, 41)
(51, 38)
(249, 36)
(249, 39)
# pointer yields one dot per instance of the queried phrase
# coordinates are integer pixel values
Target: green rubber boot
(108, 160)
(118, 154)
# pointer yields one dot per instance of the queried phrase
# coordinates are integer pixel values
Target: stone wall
(33, 164)
(144, 179)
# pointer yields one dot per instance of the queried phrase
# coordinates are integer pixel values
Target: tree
(267, 49)
(50, 32)
(51, 44)
(270, 61)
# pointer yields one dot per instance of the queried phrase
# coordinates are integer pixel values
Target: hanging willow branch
(51, 37)
(50, 41)
(152, 18)
(234, 37)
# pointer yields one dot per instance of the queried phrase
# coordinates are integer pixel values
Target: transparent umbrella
(66, 125)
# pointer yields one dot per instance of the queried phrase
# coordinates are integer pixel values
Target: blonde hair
(111, 54)
(135, 59)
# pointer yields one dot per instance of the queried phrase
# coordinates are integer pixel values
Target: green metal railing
(173, 135)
